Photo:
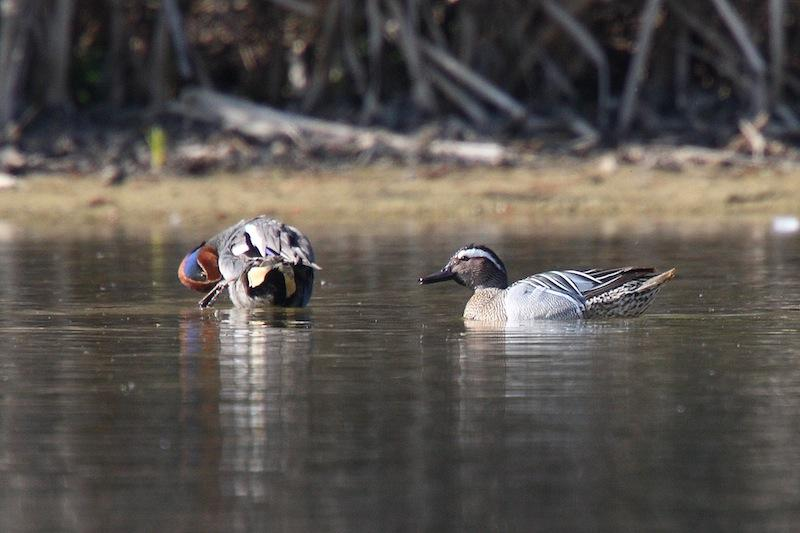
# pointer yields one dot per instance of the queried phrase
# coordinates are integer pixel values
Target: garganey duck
(558, 294)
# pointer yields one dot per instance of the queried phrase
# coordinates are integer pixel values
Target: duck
(557, 294)
(261, 261)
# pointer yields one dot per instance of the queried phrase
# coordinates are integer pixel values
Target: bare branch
(159, 50)
(727, 57)
(777, 46)
(463, 101)
(423, 96)
(175, 22)
(682, 60)
(374, 48)
(475, 82)
(349, 49)
(636, 70)
(15, 24)
(115, 61)
(557, 76)
(750, 51)
(322, 55)
(59, 44)
(591, 48)
(740, 34)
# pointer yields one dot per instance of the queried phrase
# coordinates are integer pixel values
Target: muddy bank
(596, 193)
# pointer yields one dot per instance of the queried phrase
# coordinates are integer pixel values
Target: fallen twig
(266, 124)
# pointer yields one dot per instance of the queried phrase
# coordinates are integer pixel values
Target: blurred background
(88, 78)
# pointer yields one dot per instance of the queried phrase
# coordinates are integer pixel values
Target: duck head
(199, 270)
(474, 266)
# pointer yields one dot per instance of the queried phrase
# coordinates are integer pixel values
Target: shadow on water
(123, 406)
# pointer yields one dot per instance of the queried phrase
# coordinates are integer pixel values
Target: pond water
(124, 407)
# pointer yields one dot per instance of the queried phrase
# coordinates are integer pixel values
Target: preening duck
(260, 261)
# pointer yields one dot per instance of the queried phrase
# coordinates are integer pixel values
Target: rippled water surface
(124, 407)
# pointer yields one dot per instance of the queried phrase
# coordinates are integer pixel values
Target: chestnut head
(199, 270)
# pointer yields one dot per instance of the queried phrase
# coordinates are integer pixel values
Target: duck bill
(443, 275)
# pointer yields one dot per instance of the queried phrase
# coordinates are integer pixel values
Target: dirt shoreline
(597, 193)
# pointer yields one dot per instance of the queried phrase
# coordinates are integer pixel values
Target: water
(123, 407)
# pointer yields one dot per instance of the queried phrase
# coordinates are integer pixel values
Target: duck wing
(564, 293)
(594, 282)
(551, 294)
(251, 241)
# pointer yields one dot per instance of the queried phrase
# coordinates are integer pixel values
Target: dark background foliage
(615, 69)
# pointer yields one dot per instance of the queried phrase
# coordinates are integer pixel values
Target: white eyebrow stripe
(477, 252)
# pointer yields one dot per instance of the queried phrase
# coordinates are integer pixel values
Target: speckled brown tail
(628, 300)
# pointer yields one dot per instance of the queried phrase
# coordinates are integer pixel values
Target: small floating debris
(785, 224)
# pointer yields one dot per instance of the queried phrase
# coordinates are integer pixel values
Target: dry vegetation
(77, 76)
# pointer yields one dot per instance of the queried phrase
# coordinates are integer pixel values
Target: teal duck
(261, 261)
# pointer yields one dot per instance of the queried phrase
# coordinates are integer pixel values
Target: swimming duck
(558, 294)
(260, 261)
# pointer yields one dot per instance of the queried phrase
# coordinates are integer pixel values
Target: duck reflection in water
(243, 378)
(541, 385)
